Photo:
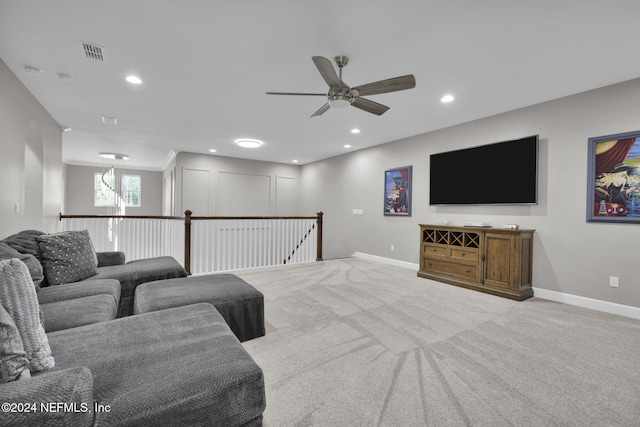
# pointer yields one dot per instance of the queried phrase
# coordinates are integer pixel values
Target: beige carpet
(357, 343)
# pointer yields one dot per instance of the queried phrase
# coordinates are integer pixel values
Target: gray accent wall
(571, 255)
(31, 167)
(80, 197)
(224, 186)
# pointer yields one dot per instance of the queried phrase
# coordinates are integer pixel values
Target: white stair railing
(137, 237)
(229, 244)
(206, 244)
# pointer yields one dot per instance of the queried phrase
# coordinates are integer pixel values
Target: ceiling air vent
(109, 120)
(92, 51)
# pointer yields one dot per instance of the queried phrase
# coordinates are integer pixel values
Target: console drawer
(437, 251)
(446, 268)
(470, 255)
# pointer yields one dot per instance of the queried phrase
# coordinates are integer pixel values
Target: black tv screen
(504, 173)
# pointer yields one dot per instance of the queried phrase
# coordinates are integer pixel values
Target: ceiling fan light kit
(339, 101)
(340, 95)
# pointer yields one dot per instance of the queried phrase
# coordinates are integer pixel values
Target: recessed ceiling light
(294, 161)
(249, 143)
(213, 150)
(114, 156)
(355, 130)
(65, 77)
(32, 70)
(447, 98)
(133, 80)
(347, 146)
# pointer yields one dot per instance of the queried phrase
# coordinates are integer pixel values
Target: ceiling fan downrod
(341, 61)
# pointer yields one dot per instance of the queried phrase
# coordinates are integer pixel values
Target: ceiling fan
(341, 95)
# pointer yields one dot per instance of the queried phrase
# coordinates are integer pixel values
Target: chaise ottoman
(240, 304)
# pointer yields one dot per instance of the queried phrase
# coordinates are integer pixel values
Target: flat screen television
(503, 173)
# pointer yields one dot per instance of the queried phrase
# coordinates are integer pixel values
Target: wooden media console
(491, 260)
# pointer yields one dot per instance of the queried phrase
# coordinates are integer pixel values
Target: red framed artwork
(397, 191)
(614, 178)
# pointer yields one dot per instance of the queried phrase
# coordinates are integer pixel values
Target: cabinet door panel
(498, 253)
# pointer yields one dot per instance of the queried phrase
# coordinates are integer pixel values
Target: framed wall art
(613, 184)
(397, 191)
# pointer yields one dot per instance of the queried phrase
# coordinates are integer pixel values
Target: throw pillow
(35, 268)
(67, 257)
(19, 299)
(14, 364)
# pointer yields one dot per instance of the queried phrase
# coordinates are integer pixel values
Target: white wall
(570, 255)
(80, 197)
(224, 186)
(30, 160)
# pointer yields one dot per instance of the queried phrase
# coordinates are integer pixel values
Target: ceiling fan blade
(369, 106)
(327, 71)
(296, 93)
(384, 86)
(321, 110)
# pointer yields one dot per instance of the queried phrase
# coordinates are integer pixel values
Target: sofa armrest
(62, 397)
(110, 258)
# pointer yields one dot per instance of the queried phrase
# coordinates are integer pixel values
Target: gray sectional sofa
(177, 366)
(65, 308)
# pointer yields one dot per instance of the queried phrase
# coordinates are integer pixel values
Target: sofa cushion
(72, 387)
(241, 305)
(80, 289)
(14, 364)
(76, 312)
(18, 297)
(136, 272)
(180, 366)
(110, 258)
(35, 268)
(67, 257)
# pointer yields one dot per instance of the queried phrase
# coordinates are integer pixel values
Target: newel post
(187, 241)
(319, 248)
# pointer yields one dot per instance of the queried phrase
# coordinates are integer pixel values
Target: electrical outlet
(393, 247)
(613, 281)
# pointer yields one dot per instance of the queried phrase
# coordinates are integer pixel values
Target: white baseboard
(593, 304)
(590, 303)
(390, 261)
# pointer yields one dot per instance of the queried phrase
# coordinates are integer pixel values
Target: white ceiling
(206, 65)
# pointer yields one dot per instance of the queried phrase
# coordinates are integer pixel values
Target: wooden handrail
(121, 216)
(195, 218)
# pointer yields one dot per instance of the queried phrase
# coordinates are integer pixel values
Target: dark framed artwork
(614, 178)
(397, 191)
